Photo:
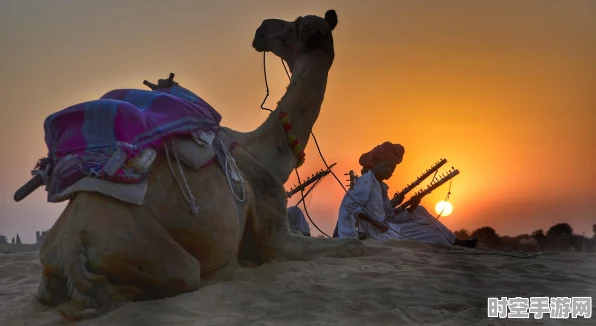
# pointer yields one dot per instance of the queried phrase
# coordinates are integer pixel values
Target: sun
(444, 208)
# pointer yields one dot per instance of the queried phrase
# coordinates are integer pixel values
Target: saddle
(109, 145)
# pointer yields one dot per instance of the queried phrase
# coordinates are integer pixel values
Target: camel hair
(102, 252)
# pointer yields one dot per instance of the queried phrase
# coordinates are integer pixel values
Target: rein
(521, 255)
(300, 155)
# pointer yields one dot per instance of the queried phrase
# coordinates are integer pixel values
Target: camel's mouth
(260, 43)
(271, 30)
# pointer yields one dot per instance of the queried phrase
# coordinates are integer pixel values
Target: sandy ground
(396, 283)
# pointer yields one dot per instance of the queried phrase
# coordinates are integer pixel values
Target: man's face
(384, 170)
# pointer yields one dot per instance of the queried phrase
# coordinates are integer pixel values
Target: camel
(102, 252)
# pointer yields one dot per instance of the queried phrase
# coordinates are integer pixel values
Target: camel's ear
(331, 18)
(298, 26)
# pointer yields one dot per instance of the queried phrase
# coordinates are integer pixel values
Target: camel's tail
(90, 295)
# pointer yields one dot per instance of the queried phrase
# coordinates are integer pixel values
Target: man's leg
(442, 231)
(450, 236)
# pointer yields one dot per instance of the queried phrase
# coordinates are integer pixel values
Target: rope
(288, 145)
(189, 198)
(266, 83)
(308, 192)
(320, 154)
(298, 175)
(231, 167)
(516, 254)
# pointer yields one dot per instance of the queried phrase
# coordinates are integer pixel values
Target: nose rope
(341, 185)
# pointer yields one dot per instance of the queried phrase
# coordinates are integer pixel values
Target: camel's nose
(260, 42)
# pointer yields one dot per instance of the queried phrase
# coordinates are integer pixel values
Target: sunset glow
(503, 91)
(444, 208)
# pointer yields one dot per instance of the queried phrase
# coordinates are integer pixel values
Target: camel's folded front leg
(270, 228)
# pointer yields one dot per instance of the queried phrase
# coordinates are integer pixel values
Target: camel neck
(302, 101)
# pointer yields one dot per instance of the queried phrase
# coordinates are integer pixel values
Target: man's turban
(388, 152)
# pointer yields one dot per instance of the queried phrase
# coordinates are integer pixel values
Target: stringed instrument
(401, 195)
(434, 184)
(309, 181)
(352, 180)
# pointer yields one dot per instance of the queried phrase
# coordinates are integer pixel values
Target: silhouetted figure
(18, 239)
(297, 220)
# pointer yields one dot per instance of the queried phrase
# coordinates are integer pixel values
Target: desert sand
(395, 283)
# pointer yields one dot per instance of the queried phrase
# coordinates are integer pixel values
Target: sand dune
(396, 283)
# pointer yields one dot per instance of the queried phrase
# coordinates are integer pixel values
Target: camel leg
(278, 243)
(53, 289)
(109, 243)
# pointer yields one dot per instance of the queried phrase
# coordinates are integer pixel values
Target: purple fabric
(82, 138)
(128, 118)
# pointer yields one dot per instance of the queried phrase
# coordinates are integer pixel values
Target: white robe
(365, 197)
(372, 194)
(419, 225)
(297, 220)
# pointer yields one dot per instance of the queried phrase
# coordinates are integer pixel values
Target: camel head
(308, 35)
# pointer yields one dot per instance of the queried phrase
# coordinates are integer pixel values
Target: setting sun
(444, 208)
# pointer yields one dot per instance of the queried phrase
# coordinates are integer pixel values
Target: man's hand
(414, 204)
(397, 200)
(379, 225)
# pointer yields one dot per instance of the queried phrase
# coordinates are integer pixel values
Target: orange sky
(506, 91)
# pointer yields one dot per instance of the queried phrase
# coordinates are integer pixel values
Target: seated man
(362, 172)
(367, 208)
(297, 221)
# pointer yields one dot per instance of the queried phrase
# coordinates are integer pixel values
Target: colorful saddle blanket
(85, 139)
(131, 119)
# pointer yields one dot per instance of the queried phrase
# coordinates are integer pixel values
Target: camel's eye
(283, 40)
